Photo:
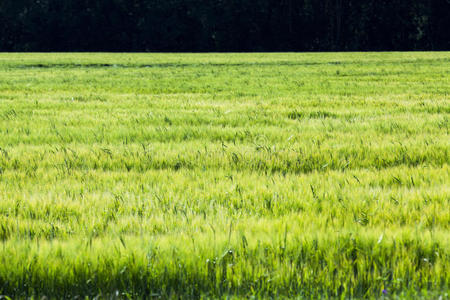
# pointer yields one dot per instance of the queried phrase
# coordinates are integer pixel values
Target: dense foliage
(223, 25)
(266, 175)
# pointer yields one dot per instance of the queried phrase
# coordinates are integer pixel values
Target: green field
(215, 175)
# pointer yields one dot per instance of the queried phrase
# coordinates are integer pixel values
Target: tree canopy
(224, 25)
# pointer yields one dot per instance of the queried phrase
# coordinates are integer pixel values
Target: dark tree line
(224, 25)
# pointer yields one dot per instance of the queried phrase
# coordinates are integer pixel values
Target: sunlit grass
(214, 175)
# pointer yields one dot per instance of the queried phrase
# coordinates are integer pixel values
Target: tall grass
(225, 175)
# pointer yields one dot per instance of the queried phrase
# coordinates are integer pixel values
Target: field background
(191, 175)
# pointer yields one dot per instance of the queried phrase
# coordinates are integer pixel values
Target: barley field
(277, 175)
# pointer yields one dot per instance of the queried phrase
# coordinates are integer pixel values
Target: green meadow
(225, 175)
